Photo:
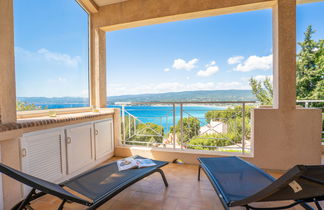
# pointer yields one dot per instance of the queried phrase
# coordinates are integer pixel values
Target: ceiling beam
(89, 5)
(101, 3)
(307, 1)
(137, 13)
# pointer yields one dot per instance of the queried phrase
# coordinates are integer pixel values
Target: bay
(160, 115)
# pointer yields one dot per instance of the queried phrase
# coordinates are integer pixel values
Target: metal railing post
(123, 122)
(129, 126)
(166, 123)
(243, 128)
(161, 119)
(174, 125)
(181, 124)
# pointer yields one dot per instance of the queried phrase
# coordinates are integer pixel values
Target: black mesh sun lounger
(98, 185)
(239, 183)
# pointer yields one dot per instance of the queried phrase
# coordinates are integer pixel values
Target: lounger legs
(199, 169)
(30, 197)
(25, 202)
(306, 206)
(163, 177)
(61, 205)
(318, 205)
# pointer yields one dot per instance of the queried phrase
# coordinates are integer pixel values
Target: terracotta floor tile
(170, 203)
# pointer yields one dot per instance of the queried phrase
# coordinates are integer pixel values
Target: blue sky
(51, 48)
(220, 52)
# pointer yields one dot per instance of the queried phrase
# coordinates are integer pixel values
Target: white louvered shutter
(42, 154)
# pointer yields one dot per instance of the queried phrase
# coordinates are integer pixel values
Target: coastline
(177, 105)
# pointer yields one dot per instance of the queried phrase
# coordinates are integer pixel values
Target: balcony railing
(222, 126)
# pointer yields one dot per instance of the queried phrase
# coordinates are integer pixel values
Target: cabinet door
(78, 147)
(42, 155)
(103, 138)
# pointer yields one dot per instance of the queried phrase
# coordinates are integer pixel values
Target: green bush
(149, 132)
(229, 113)
(232, 117)
(23, 106)
(145, 132)
(191, 127)
(208, 140)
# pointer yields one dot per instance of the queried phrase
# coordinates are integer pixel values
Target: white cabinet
(103, 138)
(60, 153)
(42, 155)
(78, 147)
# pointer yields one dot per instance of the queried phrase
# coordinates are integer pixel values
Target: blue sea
(160, 115)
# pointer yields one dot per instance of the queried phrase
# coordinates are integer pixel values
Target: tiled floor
(184, 192)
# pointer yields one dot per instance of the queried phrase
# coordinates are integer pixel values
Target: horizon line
(131, 94)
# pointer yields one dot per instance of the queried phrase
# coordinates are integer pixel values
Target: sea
(160, 115)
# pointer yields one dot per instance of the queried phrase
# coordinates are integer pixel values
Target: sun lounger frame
(294, 173)
(41, 187)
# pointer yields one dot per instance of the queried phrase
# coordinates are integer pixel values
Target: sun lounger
(97, 185)
(239, 183)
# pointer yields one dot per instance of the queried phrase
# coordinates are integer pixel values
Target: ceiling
(106, 2)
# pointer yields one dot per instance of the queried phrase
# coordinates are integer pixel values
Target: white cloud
(22, 52)
(257, 77)
(212, 63)
(263, 77)
(58, 80)
(129, 89)
(188, 78)
(181, 64)
(208, 72)
(41, 54)
(166, 70)
(255, 63)
(235, 60)
(60, 57)
(62, 79)
(211, 69)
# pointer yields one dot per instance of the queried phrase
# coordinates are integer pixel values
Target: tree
(23, 106)
(149, 132)
(262, 90)
(233, 118)
(141, 132)
(191, 127)
(229, 113)
(309, 72)
(310, 67)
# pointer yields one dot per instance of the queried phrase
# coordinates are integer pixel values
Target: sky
(220, 52)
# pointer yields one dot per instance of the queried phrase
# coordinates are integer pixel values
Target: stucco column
(117, 127)
(283, 135)
(12, 189)
(9, 148)
(97, 75)
(7, 63)
(284, 54)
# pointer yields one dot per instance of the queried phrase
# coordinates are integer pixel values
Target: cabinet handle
(23, 152)
(96, 132)
(68, 140)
